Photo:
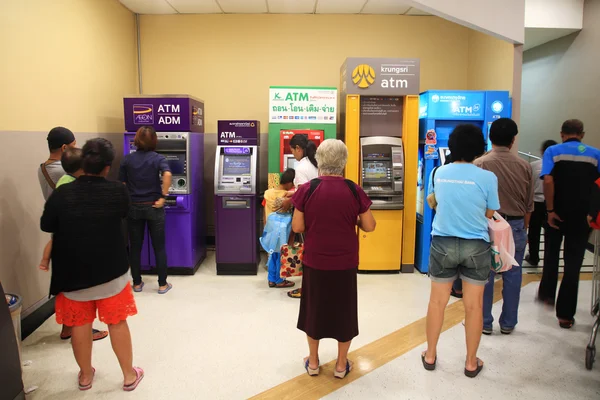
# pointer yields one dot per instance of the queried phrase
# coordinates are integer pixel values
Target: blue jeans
(274, 266)
(511, 292)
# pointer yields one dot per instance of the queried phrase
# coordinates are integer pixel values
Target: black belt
(511, 218)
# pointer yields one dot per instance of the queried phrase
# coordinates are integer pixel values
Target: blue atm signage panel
(452, 105)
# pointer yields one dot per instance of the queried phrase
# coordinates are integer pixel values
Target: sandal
(342, 374)
(89, 385)
(97, 335)
(295, 294)
(139, 373)
(309, 370)
(454, 293)
(473, 374)
(284, 284)
(426, 365)
(566, 324)
(138, 288)
(165, 290)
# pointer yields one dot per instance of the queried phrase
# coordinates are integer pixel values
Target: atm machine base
(237, 269)
(175, 270)
(380, 251)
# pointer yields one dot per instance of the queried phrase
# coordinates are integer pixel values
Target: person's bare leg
(473, 301)
(438, 300)
(342, 358)
(313, 355)
(81, 340)
(120, 339)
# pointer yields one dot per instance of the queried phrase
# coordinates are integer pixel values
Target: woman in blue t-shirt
(141, 171)
(466, 197)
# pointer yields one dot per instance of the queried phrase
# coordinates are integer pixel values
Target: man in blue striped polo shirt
(569, 171)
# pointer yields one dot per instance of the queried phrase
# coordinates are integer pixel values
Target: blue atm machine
(439, 112)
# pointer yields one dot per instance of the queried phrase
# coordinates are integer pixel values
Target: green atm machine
(298, 110)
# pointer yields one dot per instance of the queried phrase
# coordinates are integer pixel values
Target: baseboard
(34, 320)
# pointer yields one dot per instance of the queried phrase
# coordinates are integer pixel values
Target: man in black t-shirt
(569, 171)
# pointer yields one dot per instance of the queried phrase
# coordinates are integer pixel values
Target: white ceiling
(392, 7)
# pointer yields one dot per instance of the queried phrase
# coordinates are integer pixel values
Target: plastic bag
(503, 244)
(277, 232)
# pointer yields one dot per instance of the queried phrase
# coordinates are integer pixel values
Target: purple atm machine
(179, 123)
(236, 171)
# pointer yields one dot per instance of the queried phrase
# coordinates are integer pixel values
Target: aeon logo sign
(143, 114)
(435, 98)
(497, 106)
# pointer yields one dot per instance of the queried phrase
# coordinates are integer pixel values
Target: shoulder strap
(313, 186)
(433, 177)
(352, 187)
(47, 176)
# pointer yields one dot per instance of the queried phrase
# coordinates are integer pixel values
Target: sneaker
(487, 331)
(506, 331)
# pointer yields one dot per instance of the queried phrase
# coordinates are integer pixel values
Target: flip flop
(295, 294)
(284, 284)
(99, 335)
(89, 385)
(473, 374)
(454, 293)
(165, 290)
(309, 370)
(139, 376)
(342, 374)
(426, 365)
(138, 288)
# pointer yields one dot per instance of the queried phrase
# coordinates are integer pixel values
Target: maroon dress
(329, 304)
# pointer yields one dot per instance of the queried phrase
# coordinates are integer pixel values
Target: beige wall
(230, 61)
(68, 63)
(490, 64)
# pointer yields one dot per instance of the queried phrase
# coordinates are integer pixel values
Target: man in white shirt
(538, 217)
(49, 172)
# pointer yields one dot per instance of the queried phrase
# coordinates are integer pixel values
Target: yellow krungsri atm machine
(380, 126)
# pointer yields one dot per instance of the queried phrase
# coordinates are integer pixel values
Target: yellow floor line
(375, 354)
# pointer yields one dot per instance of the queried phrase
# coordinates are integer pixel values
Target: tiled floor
(538, 361)
(215, 337)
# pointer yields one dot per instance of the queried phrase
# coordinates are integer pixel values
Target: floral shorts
(111, 310)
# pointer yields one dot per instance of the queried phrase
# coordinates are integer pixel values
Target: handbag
(291, 260)
(503, 244)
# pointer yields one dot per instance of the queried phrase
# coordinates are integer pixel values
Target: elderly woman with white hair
(328, 209)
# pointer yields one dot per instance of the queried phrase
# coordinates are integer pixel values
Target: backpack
(316, 182)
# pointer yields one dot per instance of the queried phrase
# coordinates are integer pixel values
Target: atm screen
(375, 169)
(236, 165)
(444, 155)
(291, 163)
(176, 162)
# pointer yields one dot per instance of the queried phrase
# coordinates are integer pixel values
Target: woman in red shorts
(328, 210)
(90, 271)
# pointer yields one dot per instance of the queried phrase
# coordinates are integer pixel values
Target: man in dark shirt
(515, 188)
(569, 171)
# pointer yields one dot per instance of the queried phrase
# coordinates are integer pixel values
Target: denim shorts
(452, 257)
